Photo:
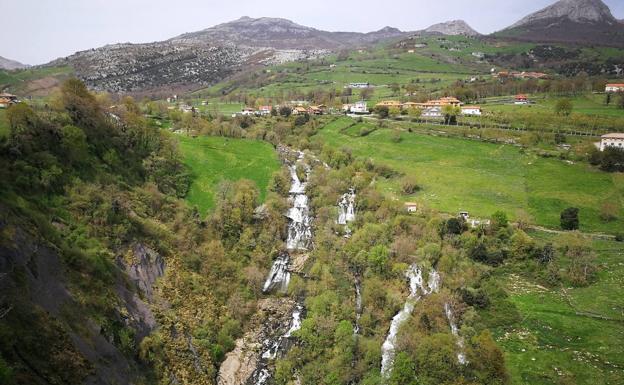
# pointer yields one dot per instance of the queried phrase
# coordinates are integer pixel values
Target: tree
(620, 102)
(285, 111)
(367, 93)
(74, 145)
(563, 107)
(409, 185)
(570, 218)
(382, 111)
(499, 220)
(450, 114)
(395, 88)
(612, 159)
(608, 211)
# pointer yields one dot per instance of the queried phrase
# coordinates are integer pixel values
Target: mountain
(572, 21)
(8, 64)
(205, 57)
(452, 28)
(282, 34)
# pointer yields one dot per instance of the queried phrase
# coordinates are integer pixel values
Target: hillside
(452, 28)
(570, 21)
(8, 64)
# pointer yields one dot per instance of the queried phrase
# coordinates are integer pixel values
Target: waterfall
(272, 348)
(358, 304)
(461, 357)
(417, 290)
(279, 276)
(300, 227)
(346, 207)
(299, 239)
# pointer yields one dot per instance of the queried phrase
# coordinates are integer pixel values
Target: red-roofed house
(614, 87)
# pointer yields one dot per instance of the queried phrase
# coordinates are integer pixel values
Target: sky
(38, 31)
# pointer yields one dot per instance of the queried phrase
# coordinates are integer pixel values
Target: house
(432, 112)
(521, 99)
(474, 223)
(614, 87)
(410, 105)
(299, 110)
(479, 55)
(389, 104)
(264, 110)
(7, 100)
(411, 207)
(247, 111)
(360, 107)
(410, 51)
(358, 85)
(317, 110)
(471, 110)
(612, 140)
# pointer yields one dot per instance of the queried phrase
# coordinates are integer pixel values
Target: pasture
(214, 159)
(482, 178)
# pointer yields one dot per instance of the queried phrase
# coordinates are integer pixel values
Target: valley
(265, 203)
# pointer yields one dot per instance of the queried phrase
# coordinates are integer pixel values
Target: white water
(299, 228)
(358, 305)
(279, 276)
(346, 207)
(418, 289)
(461, 356)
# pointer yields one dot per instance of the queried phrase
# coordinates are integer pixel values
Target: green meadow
(567, 335)
(482, 178)
(214, 159)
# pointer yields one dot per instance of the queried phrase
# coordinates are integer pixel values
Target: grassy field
(213, 159)
(459, 174)
(553, 344)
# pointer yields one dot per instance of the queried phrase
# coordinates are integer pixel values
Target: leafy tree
(382, 111)
(570, 218)
(450, 114)
(74, 145)
(285, 111)
(609, 211)
(563, 107)
(409, 185)
(499, 220)
(612, 160)
(620, 102)
(454, 226)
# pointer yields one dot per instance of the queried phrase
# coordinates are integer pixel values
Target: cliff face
(55, 337)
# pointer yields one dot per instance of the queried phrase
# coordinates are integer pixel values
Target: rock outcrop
(452, 28)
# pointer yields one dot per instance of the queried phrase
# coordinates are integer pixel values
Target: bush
(619, 237)
(570, 219)
(409, 186)
(383, 112)
(608, 211)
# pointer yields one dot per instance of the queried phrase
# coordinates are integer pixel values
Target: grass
(459, 174)
(4, 125)
(214, 159)
(552, 344)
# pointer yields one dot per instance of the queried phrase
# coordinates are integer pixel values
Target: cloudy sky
(37, 31)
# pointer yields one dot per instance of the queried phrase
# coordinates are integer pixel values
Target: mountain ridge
(8, 64)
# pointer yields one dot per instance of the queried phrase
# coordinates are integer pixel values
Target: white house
(360, 107)
(264, 110)
(614, 87)
(248, 111)
(358, 85)
(612, 140)
(432, 112)
(471, 110)
(411, 207)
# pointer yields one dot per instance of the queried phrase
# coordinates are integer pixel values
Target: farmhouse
(612, 140)
(247, 111)
(264, 110)
(614, 87)
(389, 104)
(521, 99)
(6, 100)
(299, 110)
(360, 107)
(471, 110)
(411, 207)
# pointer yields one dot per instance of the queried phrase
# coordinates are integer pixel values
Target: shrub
(570, 219)
(409, 186)
(608, 211)
(619, 237)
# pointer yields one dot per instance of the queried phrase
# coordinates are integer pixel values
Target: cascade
(461, 356)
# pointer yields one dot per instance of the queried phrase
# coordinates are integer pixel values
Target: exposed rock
(271, 321)
(452, 28)
(144, 269)
(298, 261)
(570, 21)
(8, 64)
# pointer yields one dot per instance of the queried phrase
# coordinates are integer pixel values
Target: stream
(299, 240)
(418, 289)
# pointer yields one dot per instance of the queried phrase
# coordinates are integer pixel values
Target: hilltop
(8, 64)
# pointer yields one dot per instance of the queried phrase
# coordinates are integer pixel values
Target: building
(247, 111)
(612, 140)
(389, 104)
(7, 100)
(360, 107)
(521, 99)
(264, 110)
(432, 112)
(299, 110)
(471, 110)
(411, 207)
(614, 87)
(358, 85)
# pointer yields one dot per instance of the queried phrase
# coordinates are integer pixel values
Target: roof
(471, 107)
(615, 85)
(615, 135)
(521, 96)
(6, 95)
(411, 204)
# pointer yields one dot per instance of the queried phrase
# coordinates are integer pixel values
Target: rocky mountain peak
(8, 64)
(580, 11)
(453, 27)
